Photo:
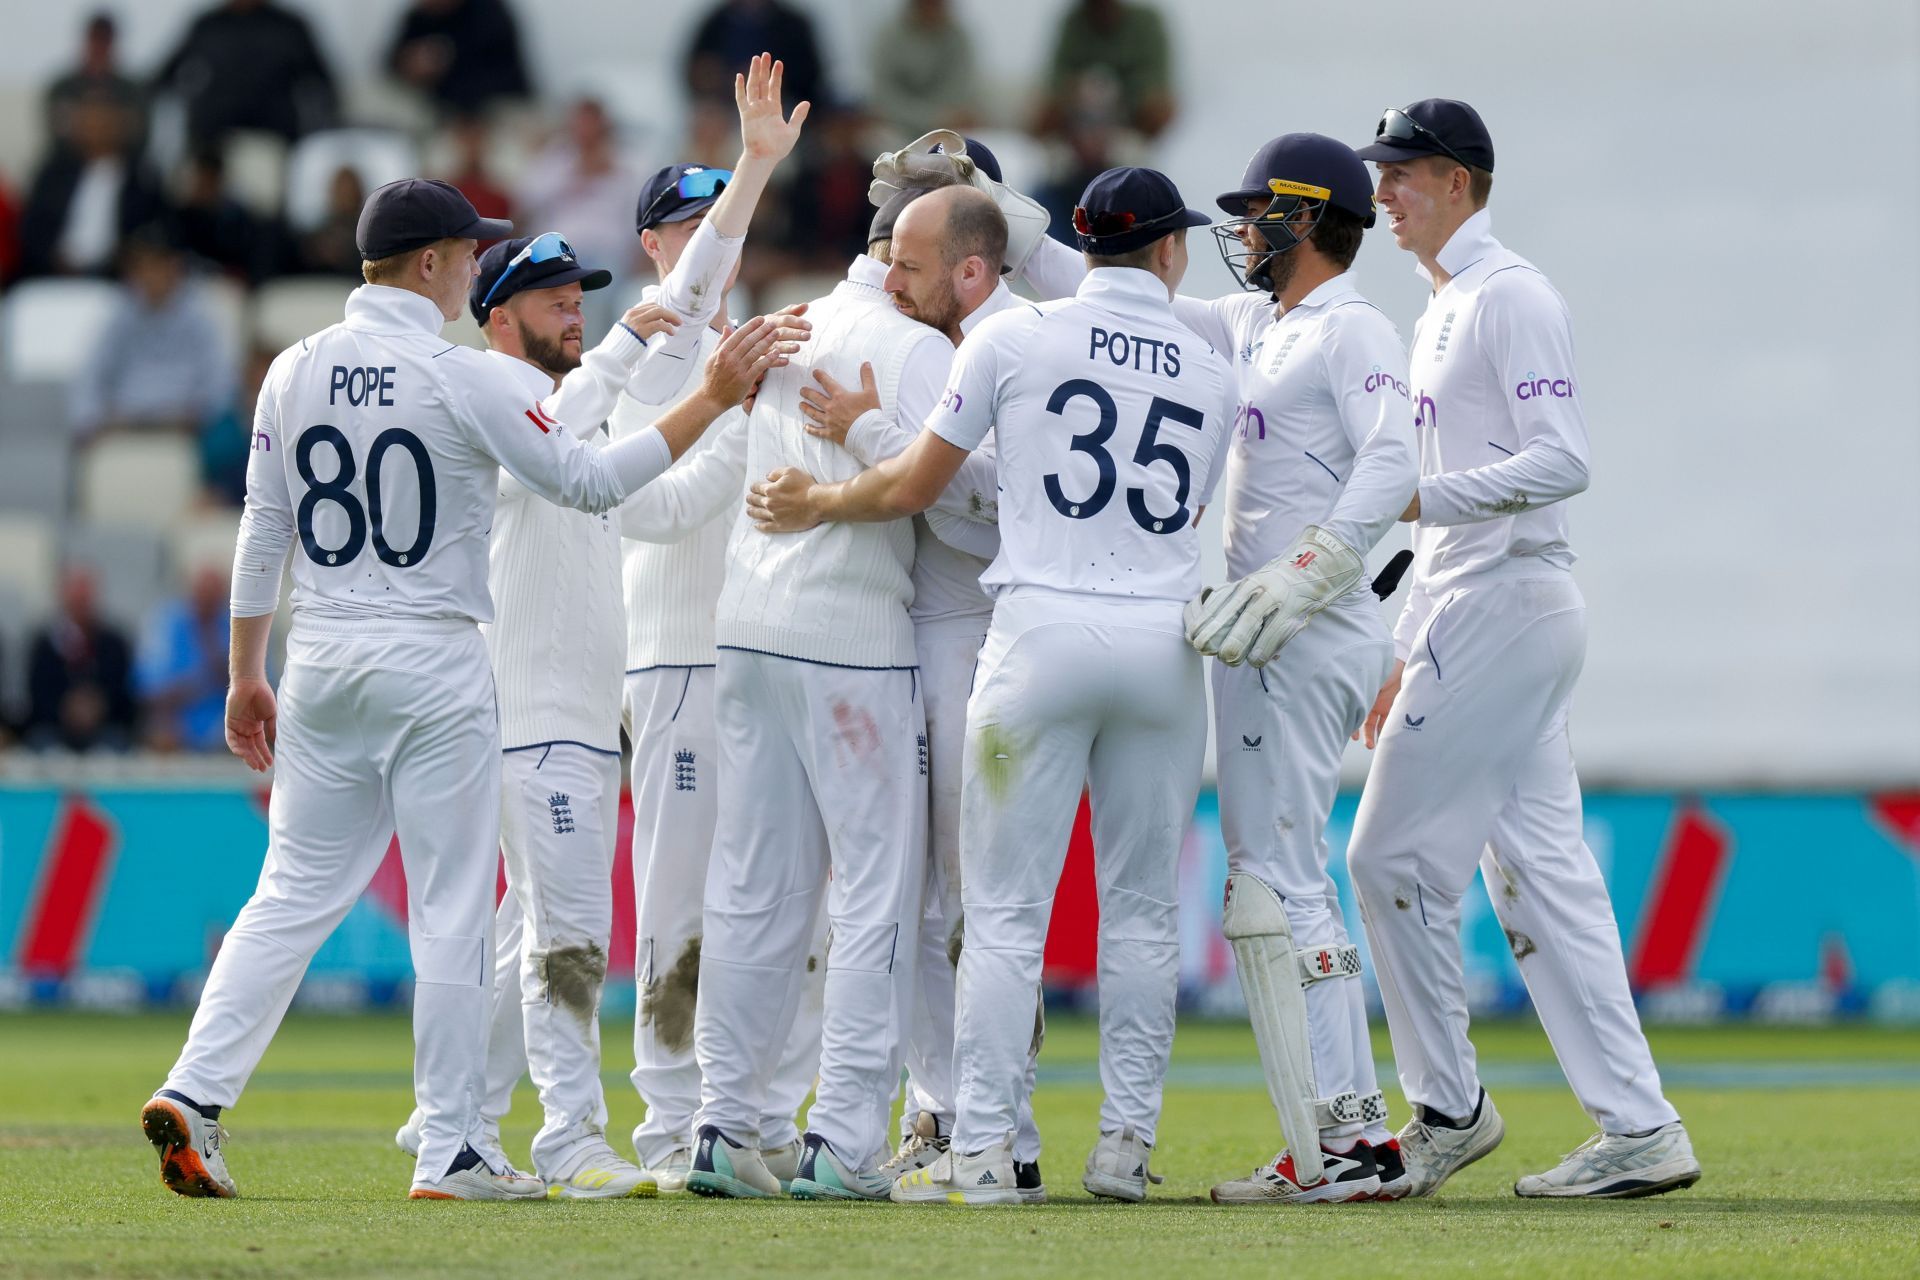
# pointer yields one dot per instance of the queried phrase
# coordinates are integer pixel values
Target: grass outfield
(1810, 1139)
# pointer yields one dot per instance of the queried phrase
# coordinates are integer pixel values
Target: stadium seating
(48, 327)
(139, 481)
(379, 156)
(287, 310)
(129, 566)
(204, 539)
(227, 299)
(26, 561)
(257, 170)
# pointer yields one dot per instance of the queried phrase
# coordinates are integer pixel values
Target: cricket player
(692, 220)
(376, 448)
(945, 255)
(1474, 763)
(818, 705)
(1109, 419)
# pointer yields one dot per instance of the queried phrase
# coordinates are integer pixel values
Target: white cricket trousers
(382, 726)
(1280, 734)
(1475, 768)
(676, 791)
(1072, 690)
(822, 766)
(948, 650)
(560, 803)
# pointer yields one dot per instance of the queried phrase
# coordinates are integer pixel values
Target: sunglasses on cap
(1397, 126)
(1098, 226)
(542, 248)
(691, 186)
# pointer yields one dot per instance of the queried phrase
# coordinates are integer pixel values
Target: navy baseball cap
(678, 192)
(1126, 209)
(983, 159)
(528, 262)
(1432, 127)
(1305, 164)
(415, 212)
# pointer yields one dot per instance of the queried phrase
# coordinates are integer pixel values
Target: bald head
(961, 221)
(947, 250)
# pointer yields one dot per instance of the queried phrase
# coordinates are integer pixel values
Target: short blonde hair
(397, 266)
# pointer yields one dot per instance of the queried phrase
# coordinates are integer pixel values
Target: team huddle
(877, 586)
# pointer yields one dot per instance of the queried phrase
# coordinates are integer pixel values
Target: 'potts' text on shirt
(1148, 355)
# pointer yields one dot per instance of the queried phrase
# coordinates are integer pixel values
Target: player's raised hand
(782, 503)
(833, 409)
(766, 133)
(647, 319)
(252, 716)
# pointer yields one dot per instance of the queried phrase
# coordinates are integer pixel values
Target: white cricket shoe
(823, 1175)
(594, 1172)
(1349, 1175)
(1434, 1153)
(783, 1162)
(923, 1145)
(725, 1168)
(473, 1178)
(1614, 1166)
(189, 1143)
(986, 1177)
(1117, 1167)
(670, 1171)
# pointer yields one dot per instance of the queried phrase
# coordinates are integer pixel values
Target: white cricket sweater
(837, 593)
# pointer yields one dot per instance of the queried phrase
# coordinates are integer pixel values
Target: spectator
(463, 54)
(582, 185)
(1113, 50)
(923, 72)
(79, 676)
(218, 229)
(98, 73)
(329, 249)
(227, 442)
(182, 670)
(1090, 151)
(729, 37)
(471, 137)
(249, 64)
(87, 197)
(827, 212)
(161, 362)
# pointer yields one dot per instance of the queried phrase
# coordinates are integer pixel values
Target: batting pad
(1255, 922)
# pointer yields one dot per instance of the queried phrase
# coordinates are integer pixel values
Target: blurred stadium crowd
(181, 223)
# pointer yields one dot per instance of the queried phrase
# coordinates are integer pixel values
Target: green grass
(1801, 1179)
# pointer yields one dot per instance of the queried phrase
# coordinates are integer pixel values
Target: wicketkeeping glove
(1249, 620)
(918, 165)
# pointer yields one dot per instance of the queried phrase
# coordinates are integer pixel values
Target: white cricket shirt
(1497, 412)
(1109, 418)
(376, 448)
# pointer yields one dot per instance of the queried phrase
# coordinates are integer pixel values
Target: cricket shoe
(472, 1178)
(1394, 1182)
(1346, 1176)
(1435, 1152)
(410, 1135)
(1027, 1181)
(594, 1172)
(1612, 1166)
(725, 1168)
(783, 1162)
(986, 1177)
(1117, 1167)
(670, 1171)
(824, 1175)
(922, 1146)
(189, 1142)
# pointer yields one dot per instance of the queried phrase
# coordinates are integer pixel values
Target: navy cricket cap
(493, 286)
(414, 212)
(1305, 164)
(983, 159)
(678, 192)
(1126, 209)
(1432, 127)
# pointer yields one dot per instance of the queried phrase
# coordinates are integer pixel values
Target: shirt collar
(538, 380)
(1326, 291)
(380, 308)
(999, 300)
(869, 273)
(1469, 243)
(1125, 285)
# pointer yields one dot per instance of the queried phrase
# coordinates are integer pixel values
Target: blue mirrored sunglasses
(698, 185)
(542, 248)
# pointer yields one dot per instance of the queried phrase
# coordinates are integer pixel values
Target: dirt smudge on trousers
(573, 977)
(667, 1003)
(1522, 945)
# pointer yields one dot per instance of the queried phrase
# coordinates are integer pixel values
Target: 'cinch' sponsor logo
(1532, 388)
(1376, 380)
